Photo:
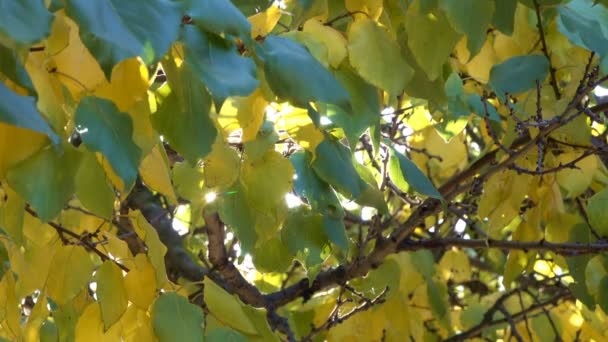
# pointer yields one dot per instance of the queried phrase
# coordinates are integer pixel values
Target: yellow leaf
(246, 113)
(222, 167)
(455, 265)
(118, 248)
(371, 7)
(154, 170)
(135, 325)
(9, 308)
(90, 325)
(74, 65)
(129, 84)
(49, 88)
(140, 282)
(267, 180)
(479, 67)
(576, 181)
(111, 293)
(227, 308)
(299, 126)
(262, 23)
(331, 38)
(17, 144)
(156, 249)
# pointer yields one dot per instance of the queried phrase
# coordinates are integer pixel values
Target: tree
(365, 170)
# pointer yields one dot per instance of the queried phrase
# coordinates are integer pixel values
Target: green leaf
(598, 215)
(321, 198)
(457, 101)
(234, 210)
(183, 115)
(471, 17)
(519, 74)
(364, 102)
(504, 16)
(431, 40)
(175, 319)
(92, 187)
(107, 130)
(294, 74)
(304, 235)
(224, 335)
(586, 25)
(602, 294)
(404, 173)
(46, 179)
(377, 57)
(577, 264)
(217, 64)
(111, 293)
(114, 30)
(333, 164)
(218, 16)
(272, 256)
(12, 67)
(21, 111)
(476, 106)
(25, 21)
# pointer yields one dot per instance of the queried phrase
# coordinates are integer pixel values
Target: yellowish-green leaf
(227, 308)
(430, 38)
(377, 57)
(175, 319)
(111, 293)
(221, 167)
(72, 270)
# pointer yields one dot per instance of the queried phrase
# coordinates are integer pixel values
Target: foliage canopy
(303, 170)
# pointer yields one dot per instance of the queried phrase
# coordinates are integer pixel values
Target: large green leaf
(175, 319)
(431, 40)
(21, 111)
(114, 30)
(25, 21)
(294, 74)
(404, 173)
(183, 115)
(46, 179)
(107, 130)
(218, 16)
(333, 164)
(518, 74)
(471, 17)
(12, 67)
(586, 25)
(377, 57)
(217, 64)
